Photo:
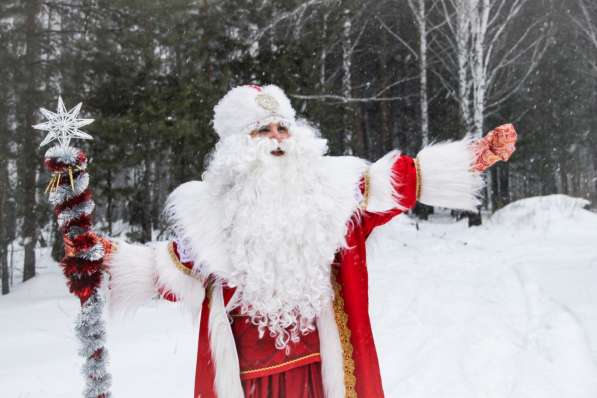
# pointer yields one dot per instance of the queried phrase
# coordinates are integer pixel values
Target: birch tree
(485, 51)
(493, 59)
(421, 13)
(347, 49)
(5, 191)
(586, 23)
(28, 76)
(454, 52)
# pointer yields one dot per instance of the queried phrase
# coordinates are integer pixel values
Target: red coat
(351, 304)
(347, 362)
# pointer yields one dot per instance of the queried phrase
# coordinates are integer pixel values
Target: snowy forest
(498, 303)
(372, 75)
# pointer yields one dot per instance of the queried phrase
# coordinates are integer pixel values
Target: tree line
(372, 75)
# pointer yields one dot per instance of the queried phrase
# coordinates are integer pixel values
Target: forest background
(372, 75)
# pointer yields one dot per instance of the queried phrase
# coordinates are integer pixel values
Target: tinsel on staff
(85, 251)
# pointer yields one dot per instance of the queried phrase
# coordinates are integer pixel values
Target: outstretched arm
(137, 272)
(446, 174)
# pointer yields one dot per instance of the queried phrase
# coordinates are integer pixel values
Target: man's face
(274, 131)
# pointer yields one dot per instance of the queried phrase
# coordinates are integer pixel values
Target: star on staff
(63, 125)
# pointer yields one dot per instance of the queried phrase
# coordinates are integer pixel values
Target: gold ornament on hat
(267, 102)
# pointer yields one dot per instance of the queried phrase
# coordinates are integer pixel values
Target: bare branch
(397, 37)
(342, 99)
(284, 16)
(397, 82)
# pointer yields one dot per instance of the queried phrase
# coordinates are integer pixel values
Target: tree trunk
(28, 158)
(146, 205)
(385, 141)
(423, 211)
(463, 34)
(474, 218)
(57, 242)
(347, 84)
(563, 176)
(324, 53)
(594, 156)
(4, 192)
(360, 146)
(504, 184)
(422, 22)
(4, 269)
(4, 181)
(493, 189)
(109, 201)
(385, 137)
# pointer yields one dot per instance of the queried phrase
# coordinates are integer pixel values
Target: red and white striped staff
(85, 251)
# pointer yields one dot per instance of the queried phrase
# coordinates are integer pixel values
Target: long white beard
(280, 229)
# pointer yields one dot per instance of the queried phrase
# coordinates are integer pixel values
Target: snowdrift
(504, 310)
(508, 309)
(545, 212)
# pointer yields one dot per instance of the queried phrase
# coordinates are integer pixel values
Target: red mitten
(498, 144)
(73, 205)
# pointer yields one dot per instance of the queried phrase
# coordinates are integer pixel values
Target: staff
(85, 251)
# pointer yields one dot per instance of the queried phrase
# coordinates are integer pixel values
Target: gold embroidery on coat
(418, 172)
(344, 331)
(178, 264)
(315, 354)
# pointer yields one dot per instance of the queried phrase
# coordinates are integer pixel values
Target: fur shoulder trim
(447, 179)
(196, 217)
(382, 194)
(344, 174)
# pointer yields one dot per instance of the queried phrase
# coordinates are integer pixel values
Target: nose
(276, 134)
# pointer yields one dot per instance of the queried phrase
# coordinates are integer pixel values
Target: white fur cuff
(447, 179)
(132, 277)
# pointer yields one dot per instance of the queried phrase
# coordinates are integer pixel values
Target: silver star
(63, 125)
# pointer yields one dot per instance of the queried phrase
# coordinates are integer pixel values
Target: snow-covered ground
(508, 309)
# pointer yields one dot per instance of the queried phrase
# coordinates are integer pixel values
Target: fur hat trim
(246, 108)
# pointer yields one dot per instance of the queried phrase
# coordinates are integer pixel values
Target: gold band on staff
(54, 182)
(58, 175)
(50, 184)
(70, 176)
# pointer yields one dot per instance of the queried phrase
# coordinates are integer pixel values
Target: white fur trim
(223, 349)
(188, 290)
(132, 277)
(196, 217)
(332, 357)
(238, 112)
(382, 195)
(136, 273)
(446, 176)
